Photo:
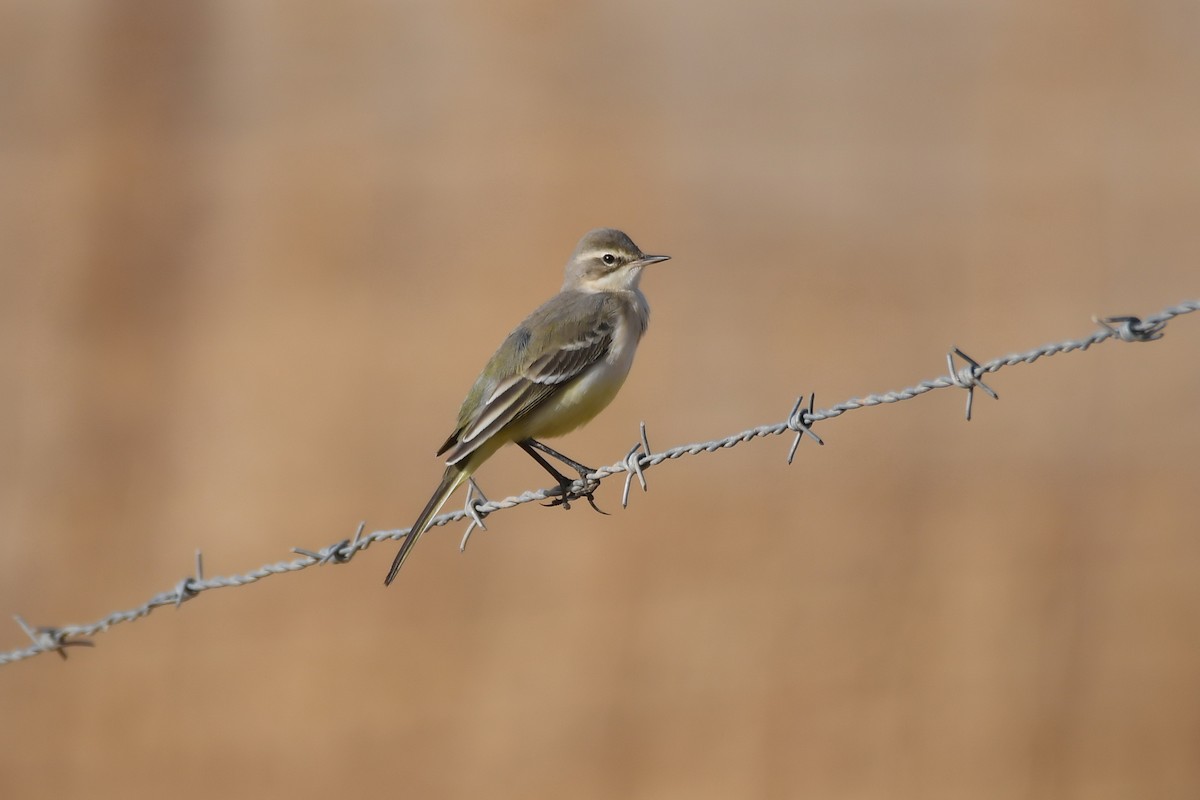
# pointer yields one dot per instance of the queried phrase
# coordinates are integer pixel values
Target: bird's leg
(582, 469)
(531, 446)
(564, 482)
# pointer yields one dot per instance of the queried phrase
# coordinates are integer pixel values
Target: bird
(556, 371)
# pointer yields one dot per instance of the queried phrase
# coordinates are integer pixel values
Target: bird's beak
(647, 260)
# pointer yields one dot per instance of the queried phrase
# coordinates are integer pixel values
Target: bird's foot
(566, 492)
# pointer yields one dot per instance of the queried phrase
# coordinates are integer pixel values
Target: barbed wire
(637, 460)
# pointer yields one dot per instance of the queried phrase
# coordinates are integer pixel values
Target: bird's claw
(565, 493)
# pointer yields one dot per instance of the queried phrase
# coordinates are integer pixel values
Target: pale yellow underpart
(584, 397)
(578, 401)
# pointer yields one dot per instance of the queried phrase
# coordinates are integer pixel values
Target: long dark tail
(450, 481)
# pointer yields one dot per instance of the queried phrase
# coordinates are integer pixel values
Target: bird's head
(606, 260)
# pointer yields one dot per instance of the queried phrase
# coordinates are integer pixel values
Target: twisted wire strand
(640, 458)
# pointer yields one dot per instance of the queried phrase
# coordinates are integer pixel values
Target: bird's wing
(556, 344)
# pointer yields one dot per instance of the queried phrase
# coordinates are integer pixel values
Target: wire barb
(634, 464)
(969, 377)
(188, 588)
(336, 553)
(1132, 329)
(634, 467)
(799, 421)
(48, 638)
(472, 509)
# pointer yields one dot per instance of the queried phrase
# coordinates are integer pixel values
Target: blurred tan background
(252, 255)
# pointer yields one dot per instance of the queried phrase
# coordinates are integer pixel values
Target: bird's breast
(591, 392)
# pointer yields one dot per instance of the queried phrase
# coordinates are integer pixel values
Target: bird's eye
(609, 259)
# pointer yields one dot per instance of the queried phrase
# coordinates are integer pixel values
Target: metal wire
(635, 463)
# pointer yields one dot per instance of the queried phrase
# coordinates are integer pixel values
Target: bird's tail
(453, 478)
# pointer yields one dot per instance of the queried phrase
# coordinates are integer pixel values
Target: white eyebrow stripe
(598, 253)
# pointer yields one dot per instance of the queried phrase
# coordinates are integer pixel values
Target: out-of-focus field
(253, 254)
